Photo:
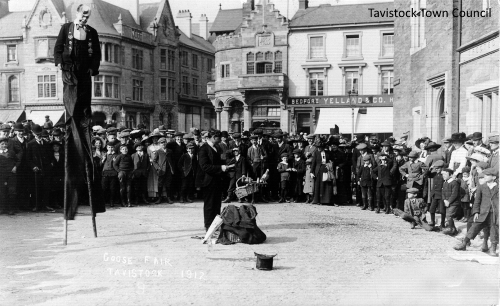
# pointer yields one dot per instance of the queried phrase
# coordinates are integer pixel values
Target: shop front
(346, 115)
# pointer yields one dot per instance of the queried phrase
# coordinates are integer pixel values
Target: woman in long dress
(153, 176)
(323, 186)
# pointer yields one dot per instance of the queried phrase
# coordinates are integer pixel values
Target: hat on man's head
(36, 129)
(5, 127)
(235, 149)
(361, 146)
(445, 140)
(297, 151)
(466, 170)
(45, 133)
(478, 157)
(56, 132)
(491, 172)
(124, 134)
(236, 136)
(278, 135)
(188, 137)
(310, 136)
(136, 134)
(254, 137)
(413, 154)
(224, 134)
(178, 134)
(432, 145)
(450, 171)
(111, 130)
(412, 190)
(137, 144)
(18, 127)
(258, 132)
(375, 147)
(386, 143)
(457, 137)
(477, 136)
(96, 128)
(493, 139)
(84, 9)
(367, 157)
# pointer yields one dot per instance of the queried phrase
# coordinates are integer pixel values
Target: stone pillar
(487, 116)
(218, 120)
(202, 118)
(495, 114)
(103, 50)
(284, 119)
(225, 118)
(247, 117)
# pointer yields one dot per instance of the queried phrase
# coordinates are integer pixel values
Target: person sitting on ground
(415, 210)
(485, 212)
(451, 199)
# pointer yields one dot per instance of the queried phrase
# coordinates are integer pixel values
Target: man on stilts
(77, 52)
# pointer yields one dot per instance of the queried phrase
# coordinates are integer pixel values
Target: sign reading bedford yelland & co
(343, 101)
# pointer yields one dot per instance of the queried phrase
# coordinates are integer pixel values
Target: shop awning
(331, 117)
(376, 120)
(15, 115)
(38, 116)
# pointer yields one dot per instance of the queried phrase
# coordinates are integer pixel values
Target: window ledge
(47, 99)
(324, 59)
(12, 63)
(352, 58)
(386, 57)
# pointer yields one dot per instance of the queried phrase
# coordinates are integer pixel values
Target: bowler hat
(361, 146)
(45, 133)
(412, 190)
(224, 134)
(297, 151)
(375, 147)
(236, 136)
(19, 127)
(413, 154)
(438, 164)
(457, 137)
(450, 171)
(432, 145)
(491, 171)
(178, 134)
(36, 129)
(477, 136)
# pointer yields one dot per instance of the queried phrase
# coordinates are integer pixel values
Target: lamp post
(352, 93)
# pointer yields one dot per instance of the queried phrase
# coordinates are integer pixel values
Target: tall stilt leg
(89, 185)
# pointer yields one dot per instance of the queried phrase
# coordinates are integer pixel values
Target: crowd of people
(390, 176)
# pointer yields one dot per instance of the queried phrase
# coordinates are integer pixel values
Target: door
(442, 116)
(303, 123)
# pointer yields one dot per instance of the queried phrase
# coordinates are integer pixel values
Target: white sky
(208, 7)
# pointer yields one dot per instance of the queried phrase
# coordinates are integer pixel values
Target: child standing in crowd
(436, 195)
(366, 181)
(451, 199)
(414, 171)
(124, 166)
(7, 178)
(415, 210)
(109, 174)
(464, 193)
(308, 182)
(140, 173)
(188, 167)
(239, 171)
(485, 212)
(299, 167)
(383, 174)
(162, 162)
(284, 171)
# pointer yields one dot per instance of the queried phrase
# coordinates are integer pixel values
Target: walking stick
(89, 185)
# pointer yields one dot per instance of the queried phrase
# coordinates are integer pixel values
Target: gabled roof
(10, 24)
(59, 5)
(325, 15)
(196, 42)
(148, 12)
(227, 20)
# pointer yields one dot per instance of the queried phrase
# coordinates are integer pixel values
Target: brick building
(139, 72)
(251, 68)
(341, 69)
(446, 70)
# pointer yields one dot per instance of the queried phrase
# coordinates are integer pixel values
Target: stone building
(341, 70)
(446, 70)
(251, 82)
(139, 72)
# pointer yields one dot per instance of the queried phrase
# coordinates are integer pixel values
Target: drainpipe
(459, 43)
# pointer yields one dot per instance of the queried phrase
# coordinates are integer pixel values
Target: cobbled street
(325, 256)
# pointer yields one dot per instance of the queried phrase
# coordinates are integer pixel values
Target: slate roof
(10, 24)
(227, 20)
(196, 42)
(148, 13)
(325, 15)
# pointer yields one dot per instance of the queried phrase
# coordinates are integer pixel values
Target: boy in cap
(451, 199)
(7, 178)
(365, 181)
(188, 164)
(109, 181)
(140, 173)
(493, 159)
(124, 166)
(485, 212)
(464, 193)
(415, 210)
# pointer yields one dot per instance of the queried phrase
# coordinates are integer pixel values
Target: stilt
(89, 185)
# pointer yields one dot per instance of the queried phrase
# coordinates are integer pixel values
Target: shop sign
(339, 101)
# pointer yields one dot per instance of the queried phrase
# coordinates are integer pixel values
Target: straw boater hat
(478, 157)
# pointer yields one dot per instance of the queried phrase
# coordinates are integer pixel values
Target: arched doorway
(236, 116)
(266, 115)
(99, 118)
(442, 115)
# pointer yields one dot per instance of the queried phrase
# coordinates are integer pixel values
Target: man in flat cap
(78, 54)
(493, 159)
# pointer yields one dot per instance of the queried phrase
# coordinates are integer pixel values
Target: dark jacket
(486, 200)
(382, 173)
(284, 173)
(19, 150)
(38, 156)
(360, 163)
(177, 150)
(63, 48)
(437, 185)
(240, 167)
(365, 176)
(7, 163)
(415, 207)
(416, 171)
(123, 162)
(187, 165)
(108, 169)
(141, 165)
(300, 166)
(243, 148)
(316, 162)
(210, 163)
(451, 192)
(285, 148)
(162, 162)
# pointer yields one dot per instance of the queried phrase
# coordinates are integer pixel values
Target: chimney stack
(248, 7)
(133, 8)
(303, 4)
(184, 22)
(204, 26)
(4, 7)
